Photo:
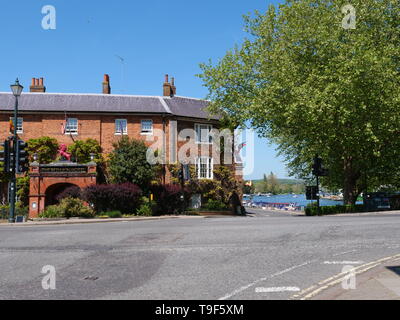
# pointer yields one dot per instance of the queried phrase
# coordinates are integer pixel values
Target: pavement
(264, 256)
(380, 283)
(44, 222)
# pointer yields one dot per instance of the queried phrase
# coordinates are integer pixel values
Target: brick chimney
(106, 84)
(169, 88)
(37, 85)
(173, 86)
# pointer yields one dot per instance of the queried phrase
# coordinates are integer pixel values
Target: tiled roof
(103, 103)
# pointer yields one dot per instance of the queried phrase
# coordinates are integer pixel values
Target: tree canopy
(128, 163)
(311, 86)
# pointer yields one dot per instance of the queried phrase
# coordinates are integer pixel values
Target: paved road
(211, 258)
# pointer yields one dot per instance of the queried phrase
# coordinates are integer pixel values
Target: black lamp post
(16, 90)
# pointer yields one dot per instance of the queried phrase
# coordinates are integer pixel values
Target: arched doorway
(49, 180)
(54, 191)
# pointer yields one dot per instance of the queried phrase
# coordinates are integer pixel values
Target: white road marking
(277, 289)
(327, 283)
(343, 253)
(241, 289)
(344, 262)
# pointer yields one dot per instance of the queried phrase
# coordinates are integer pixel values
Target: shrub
(20, 210)
(121, 197)
(75, 208)
(23, 185)
(113, 214)
(71, 192)
(52, 212)
(145, 210)
(81, 151)
(215, 205)
(312, 210)
(168, 199)
(45, 147)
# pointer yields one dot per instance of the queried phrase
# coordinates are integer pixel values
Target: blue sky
(155, 37)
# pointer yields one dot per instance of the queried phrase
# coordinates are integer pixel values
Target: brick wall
(98, 127)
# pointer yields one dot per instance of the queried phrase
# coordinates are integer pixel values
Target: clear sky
(154, 37)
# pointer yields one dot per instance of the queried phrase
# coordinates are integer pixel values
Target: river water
(299, 200)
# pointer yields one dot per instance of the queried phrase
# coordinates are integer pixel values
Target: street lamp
(16, 89)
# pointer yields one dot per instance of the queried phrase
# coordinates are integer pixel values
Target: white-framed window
(205, 168)
(147, 127)
(203, 133)
(71, 126)
(121, 127)
(20, 124)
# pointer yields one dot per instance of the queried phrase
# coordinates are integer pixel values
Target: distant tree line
(271, 184)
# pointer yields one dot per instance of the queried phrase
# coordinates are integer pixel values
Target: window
(205, 168)
(203, 133)
(72, 126)
(147, 127)
(20, 124)
(121, 127)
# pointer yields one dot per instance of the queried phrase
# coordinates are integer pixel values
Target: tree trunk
(350, 190)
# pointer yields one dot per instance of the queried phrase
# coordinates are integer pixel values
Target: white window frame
(142, 132)
(125, 128)
(72, 131)
(198, 129)
(20, 124)
(209, 163)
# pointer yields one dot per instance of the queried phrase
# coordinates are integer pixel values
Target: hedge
(125, 198)
(329, 210)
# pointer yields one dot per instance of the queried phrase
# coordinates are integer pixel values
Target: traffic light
(5, 155)
(318, 169)
(312, 193)
(22, 157)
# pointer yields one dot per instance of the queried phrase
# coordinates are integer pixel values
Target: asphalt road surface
(266, 256)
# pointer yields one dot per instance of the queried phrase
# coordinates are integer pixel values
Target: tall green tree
(265, 185)
(312, 85)
(273, 185)
(128, 163)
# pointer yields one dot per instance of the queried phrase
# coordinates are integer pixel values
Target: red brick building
(106, 117)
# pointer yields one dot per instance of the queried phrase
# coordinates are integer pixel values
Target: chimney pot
(106, 84)
(37, 85)
(167, 88)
